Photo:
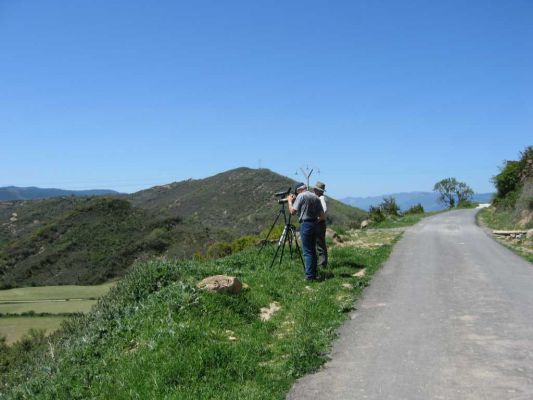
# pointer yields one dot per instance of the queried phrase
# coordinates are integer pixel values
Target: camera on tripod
(288, 237)
(283, 196)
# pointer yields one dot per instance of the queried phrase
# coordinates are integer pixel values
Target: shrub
(219, 250)
(244, 242)
(389, 206)
(511, 178)
(507, 182)
(467, 204)
(376, 214)
(416, 209)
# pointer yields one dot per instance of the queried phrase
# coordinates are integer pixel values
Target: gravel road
(449, 316)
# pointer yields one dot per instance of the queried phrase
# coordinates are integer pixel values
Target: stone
(331, 234)
(365, 224)
(347, 286)
(268, 312)
(529, 234)
(231, 335)
(360, 274)
(221, 284)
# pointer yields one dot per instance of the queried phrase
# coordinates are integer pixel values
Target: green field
(47, 307)
(59, 300)
(54, 292)
(13, 328)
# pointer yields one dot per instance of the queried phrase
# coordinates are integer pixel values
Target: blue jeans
(308, 231)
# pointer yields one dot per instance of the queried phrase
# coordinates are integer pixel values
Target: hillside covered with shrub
(513, 201)
(90, 240)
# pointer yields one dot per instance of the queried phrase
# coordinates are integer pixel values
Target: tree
(464, 193)
(447, 189)
(389, 206)
(452, 192)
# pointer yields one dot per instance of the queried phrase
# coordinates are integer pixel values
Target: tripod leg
(271, 229)
(286, 233)
(280, 242)
(291, 239)
(274, 258)
(298, 250)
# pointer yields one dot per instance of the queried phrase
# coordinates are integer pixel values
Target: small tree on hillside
(464, 193)
(452, 192)
(446, 188)
(389, 206)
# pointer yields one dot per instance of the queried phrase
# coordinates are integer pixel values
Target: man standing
(309, 210)
(321, 248)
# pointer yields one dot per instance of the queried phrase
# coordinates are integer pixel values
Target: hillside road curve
(449, 316)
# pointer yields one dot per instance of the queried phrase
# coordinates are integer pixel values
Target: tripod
(288, 235)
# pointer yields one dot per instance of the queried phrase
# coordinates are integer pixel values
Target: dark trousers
(321, 245)
(308, 230)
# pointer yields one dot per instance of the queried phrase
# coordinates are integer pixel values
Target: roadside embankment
(156, 335)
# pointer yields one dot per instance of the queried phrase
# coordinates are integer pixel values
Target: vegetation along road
(449, 316)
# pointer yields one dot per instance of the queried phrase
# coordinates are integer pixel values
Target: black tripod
(288, 235)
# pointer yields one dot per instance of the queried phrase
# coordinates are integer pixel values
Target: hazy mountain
(31, 193)
(86, 240)
(429, 200)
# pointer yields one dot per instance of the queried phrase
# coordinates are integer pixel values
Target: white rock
(221, 284)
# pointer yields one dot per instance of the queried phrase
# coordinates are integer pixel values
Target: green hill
(89, 240)
(238, 201)
(157, 336)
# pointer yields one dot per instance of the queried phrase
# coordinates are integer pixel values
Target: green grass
(14, 328)
(155, 335)
(58, 300)
(498, 220)
(504, 220)
(47, 307)
(403, 221)
(55, 292)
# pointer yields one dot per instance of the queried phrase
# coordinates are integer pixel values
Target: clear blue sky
(382, 96)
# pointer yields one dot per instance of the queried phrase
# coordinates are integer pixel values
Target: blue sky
(380, 96)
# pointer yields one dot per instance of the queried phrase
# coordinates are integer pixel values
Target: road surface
(449, 316)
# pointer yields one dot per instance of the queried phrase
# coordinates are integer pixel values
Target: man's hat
(320, 186)
(298, 186)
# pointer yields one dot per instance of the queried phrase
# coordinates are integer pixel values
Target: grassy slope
(506, 220)
(403, 221)
(157, 336)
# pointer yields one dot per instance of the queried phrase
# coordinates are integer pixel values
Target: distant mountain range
(429, 200)
(33, 193)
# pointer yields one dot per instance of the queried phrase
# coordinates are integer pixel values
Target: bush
(389, 206)
(507, 182)
(416, 209)
(467, 204)
(376, 214)
(243, 243)
(219, 250)
(511, 178)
